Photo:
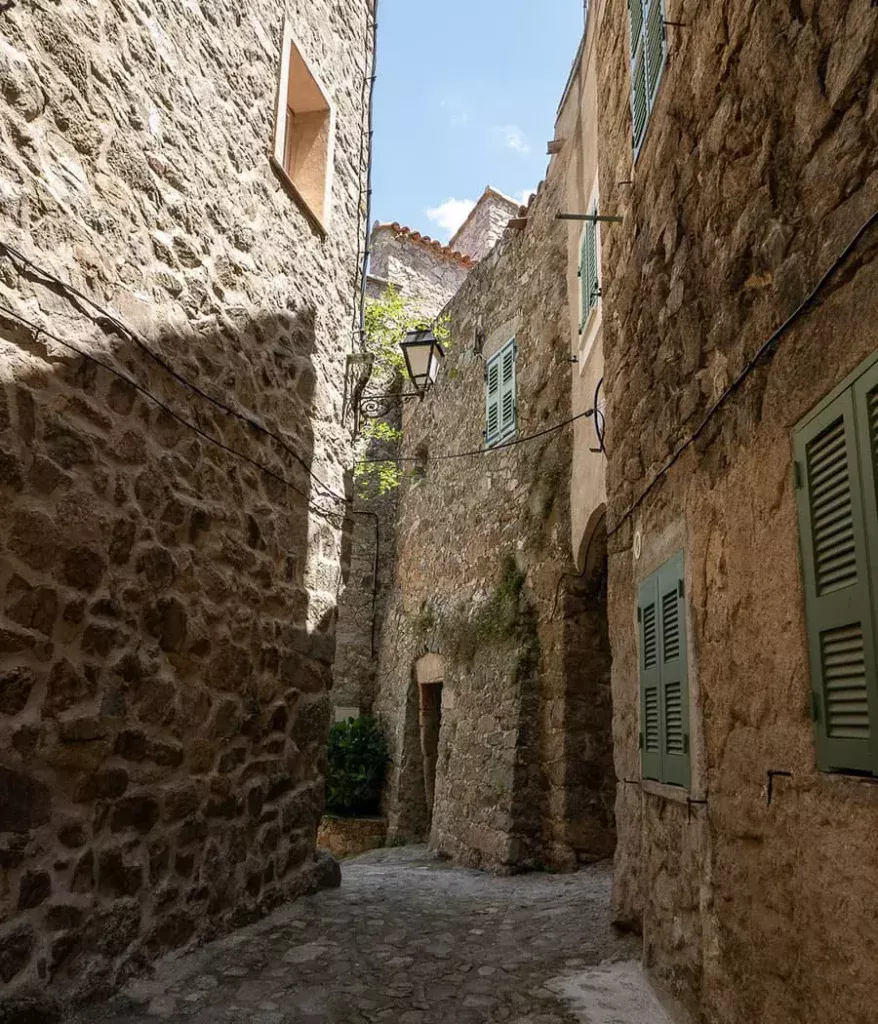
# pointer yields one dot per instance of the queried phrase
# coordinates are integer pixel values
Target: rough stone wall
(421, 273)
(485, 225)
(428, 279)
(759, 166)
(482, 551)
(168, 608)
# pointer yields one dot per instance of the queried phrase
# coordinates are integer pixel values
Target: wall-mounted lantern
(423, 356)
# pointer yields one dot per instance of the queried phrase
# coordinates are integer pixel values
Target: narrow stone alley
(411, 940)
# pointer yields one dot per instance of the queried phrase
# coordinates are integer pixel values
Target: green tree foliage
(358, 760)
(388, 320)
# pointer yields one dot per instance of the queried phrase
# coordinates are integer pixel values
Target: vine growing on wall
(388, 320)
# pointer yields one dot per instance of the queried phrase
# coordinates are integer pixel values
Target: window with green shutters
(649, 54)
(664, 676)
(836, 453)
(589, 269)
(501, 417)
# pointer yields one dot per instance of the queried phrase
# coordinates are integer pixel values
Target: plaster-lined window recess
(590, 292)
(304, 133)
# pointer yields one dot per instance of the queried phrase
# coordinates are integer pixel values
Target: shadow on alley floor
(408, 939)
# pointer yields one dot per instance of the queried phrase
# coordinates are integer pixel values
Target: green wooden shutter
(656, 47)
(639, 100)
(508, 405)
(838, 602)
(593, 266)
(584, 276)
(650, 681)
(589, 284)
(674, 661)
(492, 395)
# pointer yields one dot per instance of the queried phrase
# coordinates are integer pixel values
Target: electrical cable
(370, 132)
(329, 515)
(748, 369)
(485, 451)
(121, 328)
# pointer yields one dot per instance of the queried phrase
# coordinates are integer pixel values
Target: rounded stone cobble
(407, 939)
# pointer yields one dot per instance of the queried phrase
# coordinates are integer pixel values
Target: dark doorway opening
(431, 724)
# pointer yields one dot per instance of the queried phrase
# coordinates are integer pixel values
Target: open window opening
(304, 133)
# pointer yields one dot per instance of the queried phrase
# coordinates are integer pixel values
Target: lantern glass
(423, 353)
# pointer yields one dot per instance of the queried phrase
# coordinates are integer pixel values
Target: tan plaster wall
(759, 166)
(168, 610)
(577, 126)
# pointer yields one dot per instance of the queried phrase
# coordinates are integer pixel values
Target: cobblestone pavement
(406, 939)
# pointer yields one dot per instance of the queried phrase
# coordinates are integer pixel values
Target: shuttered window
(664, 676)
(649, 54)
(589, 271)
(836, 453)
(501, 418)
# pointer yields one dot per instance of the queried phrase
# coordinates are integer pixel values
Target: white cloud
(513, 138)
(451, 214)
(458, 115)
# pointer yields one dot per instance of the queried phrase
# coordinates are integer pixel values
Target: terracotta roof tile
(427, 241)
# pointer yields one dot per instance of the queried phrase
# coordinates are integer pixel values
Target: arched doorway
(430, 674)
(589, 768)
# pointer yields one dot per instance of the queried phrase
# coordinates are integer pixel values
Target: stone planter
(346, 837)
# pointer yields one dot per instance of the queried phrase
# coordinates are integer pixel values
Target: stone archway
(430, 675)
(589, 769)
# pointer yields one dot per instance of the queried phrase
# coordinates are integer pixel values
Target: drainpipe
(367, 252)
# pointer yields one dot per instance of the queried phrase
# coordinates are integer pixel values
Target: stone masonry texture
(168, 608)
(426, 276)
(759, 166)
(484, 227)
(408, 939)
(482, 553)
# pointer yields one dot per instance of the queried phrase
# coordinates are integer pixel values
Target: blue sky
(466, 97)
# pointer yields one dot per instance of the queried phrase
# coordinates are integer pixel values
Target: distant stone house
(740, 304)
(427, 275)
(172, 465)
(485, 683)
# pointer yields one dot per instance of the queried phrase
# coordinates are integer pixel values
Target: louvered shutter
(584, 277)
(656, 47)
(508, 409)
(594, 272)
(649, 54)
(492, 394)
(674, 666)
(650, 681)
(838, 605)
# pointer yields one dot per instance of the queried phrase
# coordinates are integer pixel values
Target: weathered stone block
(34, 888)
(16, 684)
(139, 813)
(16, 945)
(25, 803)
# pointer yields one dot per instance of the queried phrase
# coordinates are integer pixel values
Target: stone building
(740, 303)
(499, 754)
(419, 267)
(180, 205)
(427, 274)
(485, 225)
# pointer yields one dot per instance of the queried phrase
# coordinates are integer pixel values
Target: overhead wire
(105, 317)
(749, 367)
(38, 331)
(485, 451)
